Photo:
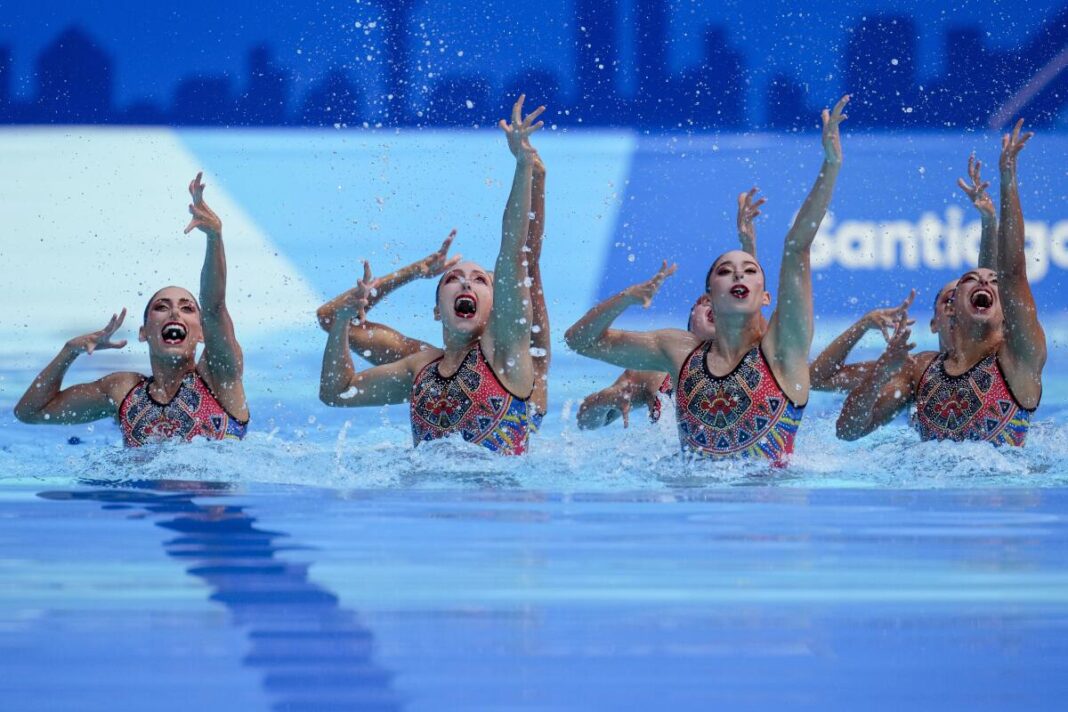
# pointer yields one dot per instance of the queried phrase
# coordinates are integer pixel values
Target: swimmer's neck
(736, 334)
(459, 345)
(168, 372)
(970, 346)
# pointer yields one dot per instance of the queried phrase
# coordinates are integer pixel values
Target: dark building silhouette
(5, 84)
(961, 97)
(266, 98)
(880, 72)
(712, 94)
(461, 100)
(395, 103)
(144, 113)
(203, 101)
(74, 83)
(650, 23)
(597, 63)
(541, 88)
(787, 106)
(1047, 50)
(333, 101)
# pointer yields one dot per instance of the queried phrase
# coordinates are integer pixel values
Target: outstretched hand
(898, 346)
(886, 320)
(518, 132)
(1011, 145)
(354, 303)
(643, 292)
(438, 262)
(204, 218)
(832, 140)
(748, 210)
(100, 339)
(976, 188)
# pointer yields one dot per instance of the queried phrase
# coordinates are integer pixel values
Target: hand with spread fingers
(204, 218)
(643, 292)
(354, 302)
(1011, 145)
(898, 346)
(885, 320)
(101, 339)
(438, 262)
(519, 130)
(975, 188)
(748, 210)
(832, 140)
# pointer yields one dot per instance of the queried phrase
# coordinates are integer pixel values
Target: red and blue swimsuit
(743, 414)
(472, 402)
(976, 405)
(193, 412)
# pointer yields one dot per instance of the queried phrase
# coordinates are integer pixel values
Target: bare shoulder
(117, 385)
(677, 344)
(918, 364)
(418, 361)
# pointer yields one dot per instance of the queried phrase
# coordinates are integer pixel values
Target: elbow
(574, 341)
(25, 414)
(325, 317)
(846, 429)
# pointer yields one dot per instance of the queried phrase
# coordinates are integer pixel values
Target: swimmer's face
(702, 321)
(465, 298)
(976, 298)
(941, 322)
(172, 323)
(736, 284)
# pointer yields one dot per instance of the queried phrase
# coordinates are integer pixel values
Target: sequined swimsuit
(194, 411)
(472, 402)
(976, 405)
(743, 414)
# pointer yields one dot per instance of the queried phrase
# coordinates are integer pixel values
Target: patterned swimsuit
(472, 402)
(743, 414)
(194, 411)
(976, 405)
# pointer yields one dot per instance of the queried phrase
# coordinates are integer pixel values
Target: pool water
(180, 595)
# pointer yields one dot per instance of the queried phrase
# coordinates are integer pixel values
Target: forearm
(380, 344)
(1010, 249)
(213, 275)
(511, 285)
(857, 417)
(395, 280)
(45, 387)
(747, 243)
(813, 210)
(588, 331)
(337, 371)
(988, 243)
(831, 360)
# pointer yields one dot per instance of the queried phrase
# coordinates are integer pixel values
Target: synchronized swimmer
(740, 382)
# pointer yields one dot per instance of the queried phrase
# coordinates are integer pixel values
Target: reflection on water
(313, 653)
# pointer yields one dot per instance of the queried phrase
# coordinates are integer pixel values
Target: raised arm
(1023, 353)
(222, 362)
(379, 343)
(641, 350)
(45, 401)
(829, 371)
(789, 334)
(433, 265)
(509, 325)
(885, 391)
(748, 210)
(540, 341)
(975, 188)
(340, 385)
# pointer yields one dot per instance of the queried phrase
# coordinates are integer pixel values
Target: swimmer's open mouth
(740, 291)
(982, 299)
(173, 333)
(465, 306)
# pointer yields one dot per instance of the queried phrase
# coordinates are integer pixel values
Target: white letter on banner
(899, 232)
(1058, 244)
(954, 239)
(930, 236)
(856, 244)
